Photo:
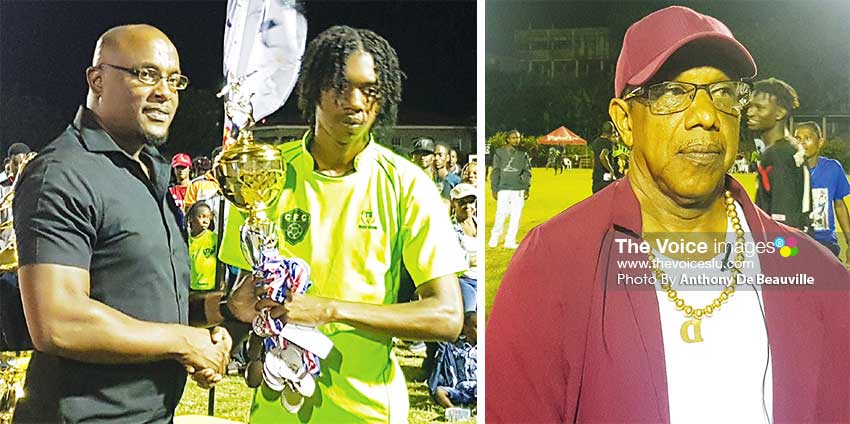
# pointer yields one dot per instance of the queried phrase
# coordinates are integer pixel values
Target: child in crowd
(203, 245)
(455, 378)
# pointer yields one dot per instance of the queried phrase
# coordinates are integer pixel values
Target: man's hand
(495, 195)
(300, 309)
(525, 194)
(206, 350)
(243, 299)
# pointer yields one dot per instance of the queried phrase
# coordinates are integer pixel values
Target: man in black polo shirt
(783, 185)
(104, 264)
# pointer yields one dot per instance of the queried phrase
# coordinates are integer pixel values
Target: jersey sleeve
(842, 186)
(429, 245)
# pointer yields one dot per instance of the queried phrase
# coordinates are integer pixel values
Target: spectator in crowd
(510, 183)
(203, 188)
(454, 380)
(423, 154)
(603, 162)
(454, 166)
(469, 174)
(464, 199)
(203, 246)
(354, 211)
(587, 314)
(784, 189)
(17, 154)
(104, 265)
(829, 188)
(443, 178)
(181, 166)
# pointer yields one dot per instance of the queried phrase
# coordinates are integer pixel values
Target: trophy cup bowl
(251, 177)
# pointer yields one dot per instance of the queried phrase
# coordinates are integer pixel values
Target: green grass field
(550, 194)
(233, 397)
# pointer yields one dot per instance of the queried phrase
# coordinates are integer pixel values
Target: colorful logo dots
(787, 248)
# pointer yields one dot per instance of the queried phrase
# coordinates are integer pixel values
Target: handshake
(206, 354)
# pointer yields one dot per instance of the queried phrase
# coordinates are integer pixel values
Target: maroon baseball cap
(650, 41)
(181, 159)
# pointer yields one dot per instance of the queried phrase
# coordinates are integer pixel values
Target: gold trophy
(251, 177)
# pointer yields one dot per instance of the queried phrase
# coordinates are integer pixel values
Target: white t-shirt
(726, 378)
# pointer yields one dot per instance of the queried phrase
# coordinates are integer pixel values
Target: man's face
(763, 113)
(452, 157)
(130, 108)
(687, 153)
(423, 158)
(812, 144)
(513, 139)
(441, 156)
(181, 173)
(348, 116)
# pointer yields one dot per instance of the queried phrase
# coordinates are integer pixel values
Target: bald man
(104, 268)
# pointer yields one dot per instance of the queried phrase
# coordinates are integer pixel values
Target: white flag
(263, 44)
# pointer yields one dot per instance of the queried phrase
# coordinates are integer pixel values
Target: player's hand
(205, 349)
(300, 309)
(243, 299)
(495, 195)
(526, 194)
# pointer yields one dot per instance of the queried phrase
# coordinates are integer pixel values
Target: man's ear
(618, 109)
(94, 78)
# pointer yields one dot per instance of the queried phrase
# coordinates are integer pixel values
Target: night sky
(46, 47)
(806, 43)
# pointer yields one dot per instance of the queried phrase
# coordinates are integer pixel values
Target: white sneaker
(493, 244)
(511, 246)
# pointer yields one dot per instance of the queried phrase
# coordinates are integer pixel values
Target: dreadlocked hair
(785, 95)
(323, 68)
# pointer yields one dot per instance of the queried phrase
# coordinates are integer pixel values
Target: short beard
(154, 140)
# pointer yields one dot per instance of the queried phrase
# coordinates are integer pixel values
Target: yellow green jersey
(354, 231)
(202, 260)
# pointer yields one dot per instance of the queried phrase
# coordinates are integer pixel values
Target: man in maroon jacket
(670, 297)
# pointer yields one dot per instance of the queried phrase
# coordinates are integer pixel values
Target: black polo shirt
(84, 202)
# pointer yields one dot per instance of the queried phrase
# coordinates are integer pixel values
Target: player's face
(513, 139)
(348, 116)
(809, 140)
(763, 112)
(686, 154)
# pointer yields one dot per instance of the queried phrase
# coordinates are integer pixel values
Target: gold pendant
(686, 336)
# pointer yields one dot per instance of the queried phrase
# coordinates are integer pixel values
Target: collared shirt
(354, 231)
(84, 202)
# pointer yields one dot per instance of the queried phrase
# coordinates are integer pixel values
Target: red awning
(562, 136)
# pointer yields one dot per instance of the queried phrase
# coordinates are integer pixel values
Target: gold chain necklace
(695, 315)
